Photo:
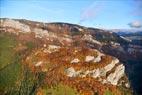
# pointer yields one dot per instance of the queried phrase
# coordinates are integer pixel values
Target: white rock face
(89, 58)
(127, 85)
(98, 73)
(99, 53)
(40, 32)
(44, 45)
(102, 71)
(111, 65)
(90, 39)
(97, 59)
(126, 39)
(38, 63)
(46, 51)
(76, 60)
(114, 43)
(84, 74)
(113, 78)
(71, 72)
(16, 25)
(93, 59)
(53, 47)
(67, 39)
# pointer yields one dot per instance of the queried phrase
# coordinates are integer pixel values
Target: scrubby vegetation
(29, 68)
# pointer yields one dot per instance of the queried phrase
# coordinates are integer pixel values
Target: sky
(107, 14)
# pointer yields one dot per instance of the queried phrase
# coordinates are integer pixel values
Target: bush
(108, 92)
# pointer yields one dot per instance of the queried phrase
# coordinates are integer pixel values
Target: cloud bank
(135, 24)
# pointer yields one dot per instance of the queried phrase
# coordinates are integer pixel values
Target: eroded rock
(113, 78)
(76, 60)
(38, 63)
(89, 58)
(71, 72)
(16, 24)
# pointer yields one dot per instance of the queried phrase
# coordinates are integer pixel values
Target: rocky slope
(70, 55)
(69, 33)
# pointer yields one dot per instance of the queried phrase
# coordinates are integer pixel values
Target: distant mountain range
(138, 33)
(134, 35)
(126, 30)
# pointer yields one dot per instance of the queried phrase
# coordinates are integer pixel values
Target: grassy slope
(10, 67)
(60, 89)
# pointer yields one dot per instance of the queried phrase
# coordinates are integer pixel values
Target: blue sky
(109, 14)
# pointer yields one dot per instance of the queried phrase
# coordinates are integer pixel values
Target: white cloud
(135, 24)
(91, 11)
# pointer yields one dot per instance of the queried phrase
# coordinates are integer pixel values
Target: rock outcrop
(89, 38)
(76, 60)
(16, 25)
(113, 78)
